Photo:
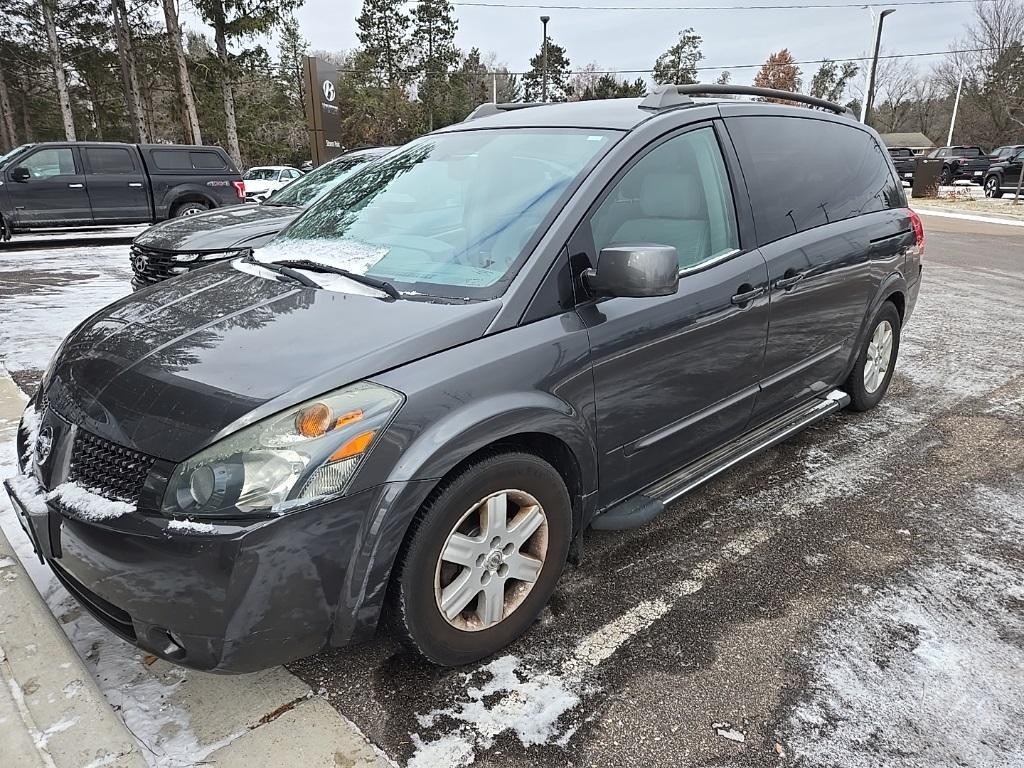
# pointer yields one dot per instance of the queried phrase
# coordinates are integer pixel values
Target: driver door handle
(75, 186)
(747, 294)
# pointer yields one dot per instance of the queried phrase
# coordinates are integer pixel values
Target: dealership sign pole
(323, 118)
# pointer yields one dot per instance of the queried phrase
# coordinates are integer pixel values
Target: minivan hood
(168, 367)
(220, 229)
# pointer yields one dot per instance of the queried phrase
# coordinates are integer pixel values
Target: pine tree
(780, 72)
(47, 9)
(678, 65)
(238, 20)
(189, 116)
(434, 56)
(831, 79)
(383, 32)
(291, 64)
(557, 74)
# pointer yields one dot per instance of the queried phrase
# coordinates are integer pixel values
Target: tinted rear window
(803, 173)
(187, 160)
(901, 153)
(110, 160)
(966, 152)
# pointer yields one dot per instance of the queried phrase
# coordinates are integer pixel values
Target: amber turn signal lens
(313, 421)
(348, 418)
(354, 447)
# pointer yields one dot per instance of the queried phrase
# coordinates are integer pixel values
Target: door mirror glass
(634, 271)
(21, 173)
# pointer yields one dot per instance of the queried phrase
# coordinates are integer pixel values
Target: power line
(787, 6)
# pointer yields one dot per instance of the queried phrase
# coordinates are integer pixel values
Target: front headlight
(303, 454)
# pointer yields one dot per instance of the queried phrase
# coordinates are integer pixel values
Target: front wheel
(873, 371)
(481, 559)
(946, 179)
(992, 187)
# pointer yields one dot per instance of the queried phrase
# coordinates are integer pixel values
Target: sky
(632, 39)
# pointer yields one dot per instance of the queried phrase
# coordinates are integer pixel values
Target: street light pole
(956, 106)
(544, 59)
(869, 96)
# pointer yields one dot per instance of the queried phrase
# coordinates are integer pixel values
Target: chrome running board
(646, 505)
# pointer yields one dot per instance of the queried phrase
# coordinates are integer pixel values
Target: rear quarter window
(805, 172)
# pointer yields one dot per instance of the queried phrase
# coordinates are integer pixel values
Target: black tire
(412, 609)
(946, 178)
(992, 187)
(188, 208)
(861, 397)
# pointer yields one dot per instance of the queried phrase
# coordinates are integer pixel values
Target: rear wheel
(188, 209)
(992, 187)
(873, 371)
(481, 559)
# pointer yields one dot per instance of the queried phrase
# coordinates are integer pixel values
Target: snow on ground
(45, 294)
(928, 673)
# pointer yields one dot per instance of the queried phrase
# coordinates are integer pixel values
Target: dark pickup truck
(905, 161)
(81, 184)
(961, 164)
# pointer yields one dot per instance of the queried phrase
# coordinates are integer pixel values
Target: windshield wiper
(283, 270)
(373, 282)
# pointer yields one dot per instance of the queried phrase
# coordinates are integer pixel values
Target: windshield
(450, 214)
(261, 174)
(307, 188)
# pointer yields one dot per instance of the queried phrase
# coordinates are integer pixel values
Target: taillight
(239, 189)
(918, 227)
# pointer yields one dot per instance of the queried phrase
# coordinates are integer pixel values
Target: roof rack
(666, 96)
(490, 108)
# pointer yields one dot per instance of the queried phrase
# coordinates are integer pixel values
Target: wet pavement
(853, 597)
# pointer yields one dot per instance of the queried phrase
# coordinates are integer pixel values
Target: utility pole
(494, 87)
(956, 106)
(544, 59)
(869, 96)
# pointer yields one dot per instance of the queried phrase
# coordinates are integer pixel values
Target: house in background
(915, 141)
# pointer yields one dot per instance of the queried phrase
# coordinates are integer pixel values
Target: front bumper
(228, 597)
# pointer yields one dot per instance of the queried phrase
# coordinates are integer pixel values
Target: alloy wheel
(879, 356)
(991, 186)
(491, 560)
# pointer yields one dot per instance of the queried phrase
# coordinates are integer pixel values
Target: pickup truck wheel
(481, 559)
(872, 373)
(946, 179)
(188, 209)
(992, 187)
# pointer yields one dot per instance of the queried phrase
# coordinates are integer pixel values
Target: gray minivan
(416, 401)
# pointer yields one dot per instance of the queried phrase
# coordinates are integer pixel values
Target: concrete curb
(968, 217)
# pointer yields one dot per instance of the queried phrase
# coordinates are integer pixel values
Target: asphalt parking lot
(853, 597)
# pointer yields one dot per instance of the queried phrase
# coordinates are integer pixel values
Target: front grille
(151, 264)
(107, 468)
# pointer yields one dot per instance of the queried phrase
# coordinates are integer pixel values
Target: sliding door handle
(789, 279)
(746, 294)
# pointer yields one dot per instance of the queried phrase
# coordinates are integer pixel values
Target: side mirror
(634, 271)
(21, 173)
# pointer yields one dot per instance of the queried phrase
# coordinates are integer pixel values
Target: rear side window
(803, 173)
(677, 194)
(207, 161)
(187, 160)
(110, 160)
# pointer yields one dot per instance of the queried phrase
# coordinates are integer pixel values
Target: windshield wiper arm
(284, 270)
(373, 282)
